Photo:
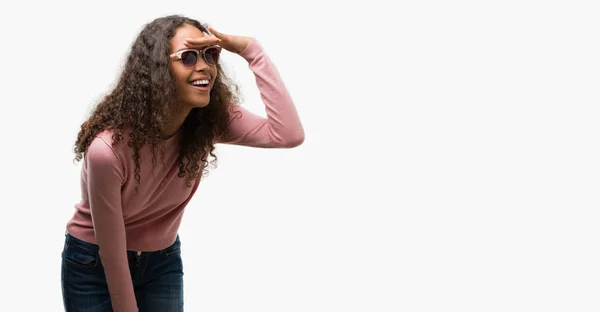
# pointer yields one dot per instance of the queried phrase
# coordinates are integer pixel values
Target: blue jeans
(157, 278)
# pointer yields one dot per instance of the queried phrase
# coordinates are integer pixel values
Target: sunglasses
(189, 57)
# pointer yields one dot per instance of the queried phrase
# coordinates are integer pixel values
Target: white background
(451, 160)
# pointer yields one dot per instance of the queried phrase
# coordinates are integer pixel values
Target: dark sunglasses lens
(189, 58)
(211, 56)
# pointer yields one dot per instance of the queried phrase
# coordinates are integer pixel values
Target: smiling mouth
(201, 84)
(203, 88)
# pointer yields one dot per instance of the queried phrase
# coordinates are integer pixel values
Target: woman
(146, 147)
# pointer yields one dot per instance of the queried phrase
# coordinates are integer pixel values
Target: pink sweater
(112, 216)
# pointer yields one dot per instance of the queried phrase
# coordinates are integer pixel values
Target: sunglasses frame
(177, 55)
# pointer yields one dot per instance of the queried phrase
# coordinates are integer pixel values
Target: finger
(216, 33)
(200, 42)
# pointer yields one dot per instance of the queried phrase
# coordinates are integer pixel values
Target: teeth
(200, 82)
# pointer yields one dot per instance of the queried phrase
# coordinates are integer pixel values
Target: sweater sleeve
(105, 175)
(282, 127)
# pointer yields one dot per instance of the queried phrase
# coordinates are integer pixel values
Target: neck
(175, 124)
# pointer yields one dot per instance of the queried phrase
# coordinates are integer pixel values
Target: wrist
(245, 44)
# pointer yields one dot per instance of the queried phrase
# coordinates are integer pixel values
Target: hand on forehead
(188, 32)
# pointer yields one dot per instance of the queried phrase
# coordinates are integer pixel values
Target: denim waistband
(72, 240)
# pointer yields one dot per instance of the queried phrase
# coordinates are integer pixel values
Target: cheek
(181, 76)
(213, 73)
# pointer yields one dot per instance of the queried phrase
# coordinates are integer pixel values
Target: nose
(201, 65)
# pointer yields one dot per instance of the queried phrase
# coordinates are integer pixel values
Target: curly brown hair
(144, 101)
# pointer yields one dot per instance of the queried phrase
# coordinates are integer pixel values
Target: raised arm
(282, 127)
(105, 177)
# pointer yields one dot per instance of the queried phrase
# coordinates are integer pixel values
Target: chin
(201, 104)
(198, 101)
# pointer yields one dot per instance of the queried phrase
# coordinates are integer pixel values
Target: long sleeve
(282, 127)
(105, 176)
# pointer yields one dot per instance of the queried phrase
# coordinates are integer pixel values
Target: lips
(201, 83)
(202, 89)
(197, 79)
